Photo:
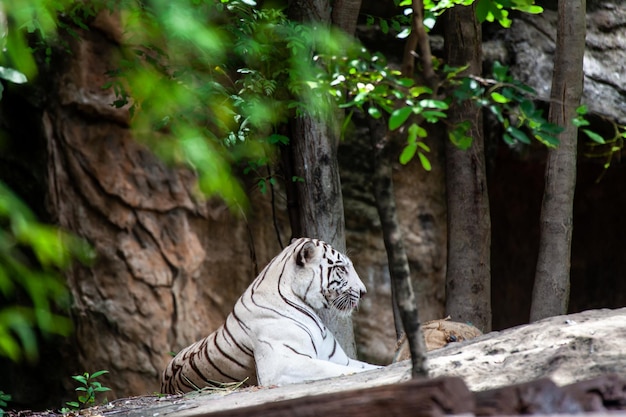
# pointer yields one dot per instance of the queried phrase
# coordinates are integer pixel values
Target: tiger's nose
(362, 293)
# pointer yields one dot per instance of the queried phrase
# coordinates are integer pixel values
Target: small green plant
(87, 391)
(3, 401)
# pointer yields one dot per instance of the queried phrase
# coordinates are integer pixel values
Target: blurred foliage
(209, 82)
(3, 401)
(34, 299)
(33, 292)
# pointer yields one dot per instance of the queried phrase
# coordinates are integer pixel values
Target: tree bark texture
(402, 289)
(468, 280)
(320, 202)
(552, 281)
(345, 14)
(419, 39)
(314, 157)
(314, 148)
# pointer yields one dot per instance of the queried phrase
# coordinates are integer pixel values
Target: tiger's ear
(307, 254)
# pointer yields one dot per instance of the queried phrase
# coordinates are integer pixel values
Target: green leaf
(433, 116)
(374, 112)
(425, 162)
(594, 136)
(419, 90)
(527, 107)
(420, 131)
(500, 71)
(404, 33)
(580, 121)
(499, 98)
(581, 110)
(518, 134)
(399, 116)
(408, 153)
(274, 139)
(384, 26)
(458, 136)
(80, 378)
(552, 128)
(547, 139)
(12, 75)
(412, 133)
(508, 139)
(496, 112)
(529, 8)
(425, 147)
(435, 104)
(406, 82)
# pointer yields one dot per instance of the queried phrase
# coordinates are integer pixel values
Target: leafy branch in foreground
(31, 257)
(3, 401)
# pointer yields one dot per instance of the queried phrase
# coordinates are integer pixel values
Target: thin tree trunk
(468, 280)
(314, 152)
(551, 290)
(403, 297)
(345, 14)
(382, 182)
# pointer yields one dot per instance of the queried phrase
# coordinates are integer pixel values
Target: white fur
(279, 325)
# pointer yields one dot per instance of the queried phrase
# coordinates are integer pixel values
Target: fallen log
(604, 393)
(417, 397)
(541, 396)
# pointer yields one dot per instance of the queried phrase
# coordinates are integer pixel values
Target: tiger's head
(325, 278)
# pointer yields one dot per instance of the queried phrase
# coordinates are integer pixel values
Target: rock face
(566, 349)
(531, 42)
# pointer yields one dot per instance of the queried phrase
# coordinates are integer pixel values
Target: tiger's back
(273, 330)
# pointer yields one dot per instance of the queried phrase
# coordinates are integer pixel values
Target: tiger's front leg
(353, 363)
(279, 364)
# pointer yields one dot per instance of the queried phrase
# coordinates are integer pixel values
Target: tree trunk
(468, 280)
(314, 158)
(551, 289)
(402, 289)
(345, 14)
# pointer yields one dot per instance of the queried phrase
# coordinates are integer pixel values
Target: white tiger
(273, 336)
